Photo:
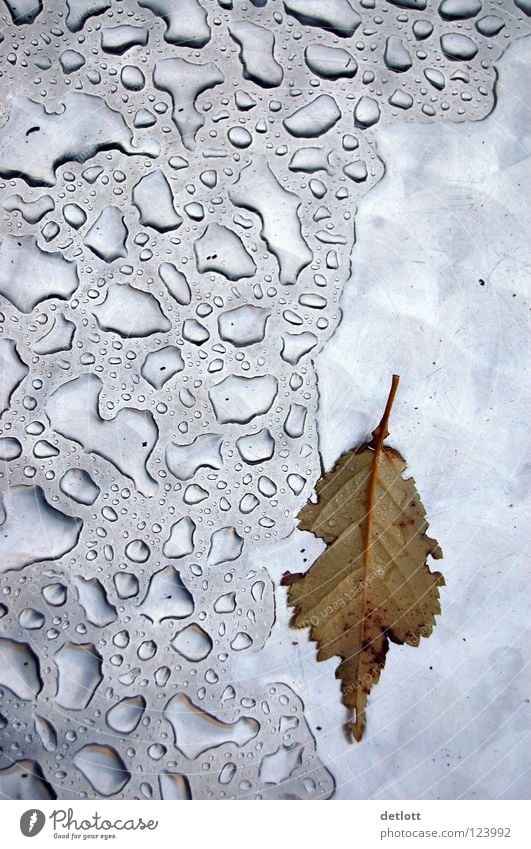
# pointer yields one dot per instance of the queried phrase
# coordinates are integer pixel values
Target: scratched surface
(180, 184)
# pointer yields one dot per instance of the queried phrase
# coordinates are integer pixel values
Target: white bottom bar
(367, 824)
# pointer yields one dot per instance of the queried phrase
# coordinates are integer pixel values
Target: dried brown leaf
(372, 584)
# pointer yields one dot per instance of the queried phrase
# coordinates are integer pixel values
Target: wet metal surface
(179, 188)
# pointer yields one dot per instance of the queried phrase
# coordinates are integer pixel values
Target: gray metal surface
(179, 191)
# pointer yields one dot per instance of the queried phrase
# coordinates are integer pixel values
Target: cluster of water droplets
(179, 183)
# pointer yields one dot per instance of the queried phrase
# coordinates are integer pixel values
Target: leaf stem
(379, 435)
(381, 432)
